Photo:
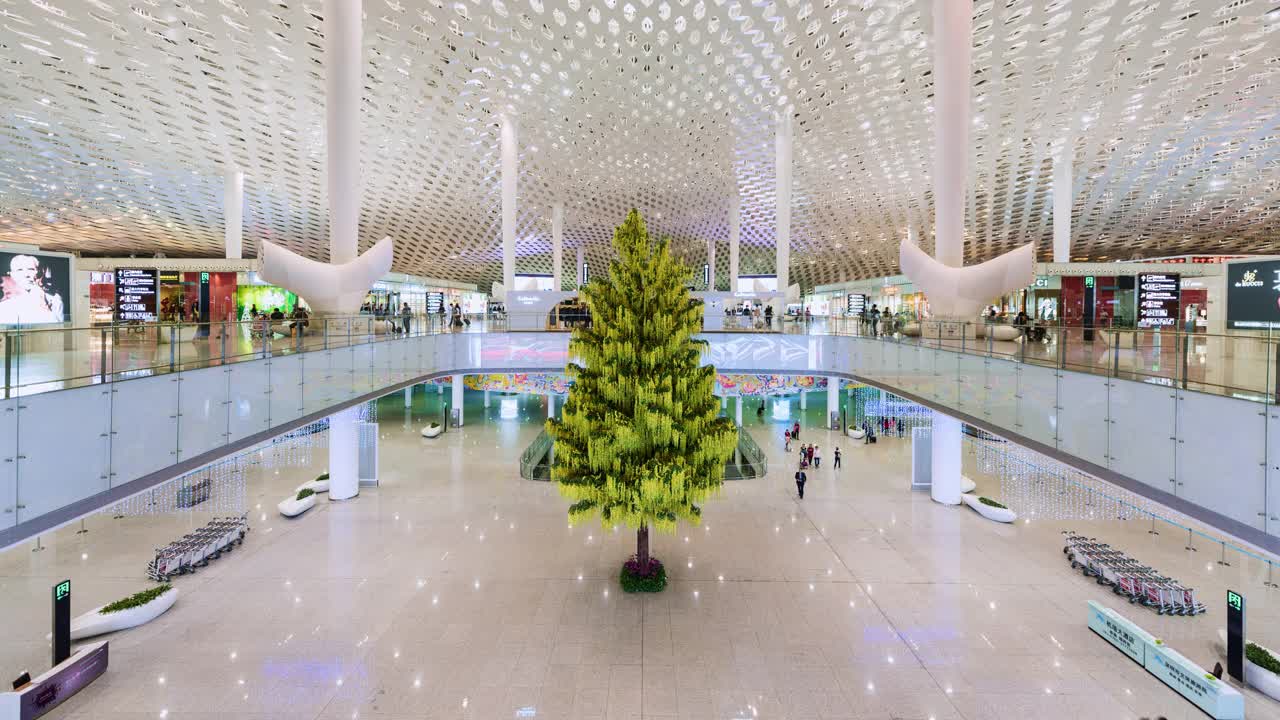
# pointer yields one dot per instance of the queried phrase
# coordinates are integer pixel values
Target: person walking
(795, 431)
(405, 315)
(817, 457)
(801, 479)
(786, 439)
(902, 428)
(837, 461)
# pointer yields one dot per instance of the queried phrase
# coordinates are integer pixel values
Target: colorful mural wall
(755, 384)
(539, 383)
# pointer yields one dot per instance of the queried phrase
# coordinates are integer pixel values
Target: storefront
(102, 298)
(264, 299)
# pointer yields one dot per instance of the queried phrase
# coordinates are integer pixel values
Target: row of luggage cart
(1130, 578)
(196, 549)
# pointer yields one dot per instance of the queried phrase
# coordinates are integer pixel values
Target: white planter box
(292, 507)
(1257, 677)
(1004, 515)
(430, 432)
(317, 486)
(95, 623)
(857, 433)
(967, 485)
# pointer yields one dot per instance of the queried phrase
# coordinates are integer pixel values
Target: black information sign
(135, 295)
(586, 274)
(435, 303)
(855, 304)
(1235, 635)
(706, 276)
(61, 622)
(1158, 297)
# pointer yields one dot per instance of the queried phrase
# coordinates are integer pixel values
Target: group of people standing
(810, 455)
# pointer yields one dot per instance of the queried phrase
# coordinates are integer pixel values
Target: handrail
(531, 458)
(531, 467)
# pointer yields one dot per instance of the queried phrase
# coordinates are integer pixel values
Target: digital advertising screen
(35, 289)
(855, 304)
(136, 292)
(1253, 295)
(435, 303)
(1158, 299)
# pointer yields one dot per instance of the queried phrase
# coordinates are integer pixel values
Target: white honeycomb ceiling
(119, 119)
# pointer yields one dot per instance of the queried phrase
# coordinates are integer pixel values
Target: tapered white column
(551, 405)
(912, 236)
(711, 265)
(343, 72)
(724, 402)
(804, 400)
(782, 173)
(233, 214)
(486, 398)
(557, 245)
(946, 458)
(344, 458)
(440, 389)
(833, 397)
(737, 411)
(735, 239)
(952, 55)
(408, 396)
(580, 272)
(1062, 198)
(507, 134)
(456, 384)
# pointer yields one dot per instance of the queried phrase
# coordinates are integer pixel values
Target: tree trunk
(642, 546)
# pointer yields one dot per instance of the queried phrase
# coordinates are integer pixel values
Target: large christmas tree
(641, 442)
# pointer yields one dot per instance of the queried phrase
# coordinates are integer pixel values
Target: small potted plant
(988, 508)
(432, 430)
(137, 609)
(319, 485)
(298, 504)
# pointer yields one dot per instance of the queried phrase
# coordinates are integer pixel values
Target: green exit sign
(1235, 601)
(62, 590)
(1088, 281)
(204, 277)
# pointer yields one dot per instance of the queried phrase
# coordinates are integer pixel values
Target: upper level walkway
(92, 416)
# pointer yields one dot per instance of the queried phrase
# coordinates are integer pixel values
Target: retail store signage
(1253, 295)
(136, 290)
(1158, 299)
(1042, 281)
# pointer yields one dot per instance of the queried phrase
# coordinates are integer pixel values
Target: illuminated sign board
(1158, 299)
(136, 290)
(1253, 295)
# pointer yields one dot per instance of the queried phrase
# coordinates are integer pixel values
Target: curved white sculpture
(327, 288)
(293, 507)
(967, 485)
(95, 623)
(431, 431)
(962, 292)
(316, 486)
(1003, 515)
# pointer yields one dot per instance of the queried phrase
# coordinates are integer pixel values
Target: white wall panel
(144, 426)
(50, 473)
(971, 384)
(287, 386)
(1082, 417)
(1273, 471)
(1220, 456)
(1002, 393)
(1142, 432)
(250, 395)
(1037, 403)
(203, 405)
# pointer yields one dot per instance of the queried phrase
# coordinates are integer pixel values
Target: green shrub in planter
(991, 503)
(305, 493)
(640, 576)
(435, 425)
(1259, 656)
(136, 599)
(322, 478)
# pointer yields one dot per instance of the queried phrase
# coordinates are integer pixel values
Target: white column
(782, 172)
(1062, 198)
(233, 214)
(408, 396)
(952, 51)
(737, 411)
(343, 72)
(344, 460)
(804, 400)
(711, 265)
(724, 402)
(551, 405)
(456, 384)
(946, 457)
(578, 273)
(735, 238)
(912, 236)
(486, 398)
(507, 135)
(440, 389)
(557, 245)
(833, 397)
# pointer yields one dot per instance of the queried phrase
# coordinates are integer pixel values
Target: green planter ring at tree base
(634, 579)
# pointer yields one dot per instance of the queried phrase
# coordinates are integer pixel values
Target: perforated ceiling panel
(120, 119)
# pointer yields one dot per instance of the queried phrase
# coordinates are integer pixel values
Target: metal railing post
(1115, 353)
(326, 333)
(102, 357)
(173, 347)
(224, 342)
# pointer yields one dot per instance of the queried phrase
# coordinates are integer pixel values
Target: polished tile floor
(457, 590)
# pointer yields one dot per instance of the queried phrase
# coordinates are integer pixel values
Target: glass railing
(747, 463)
(41, 360)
